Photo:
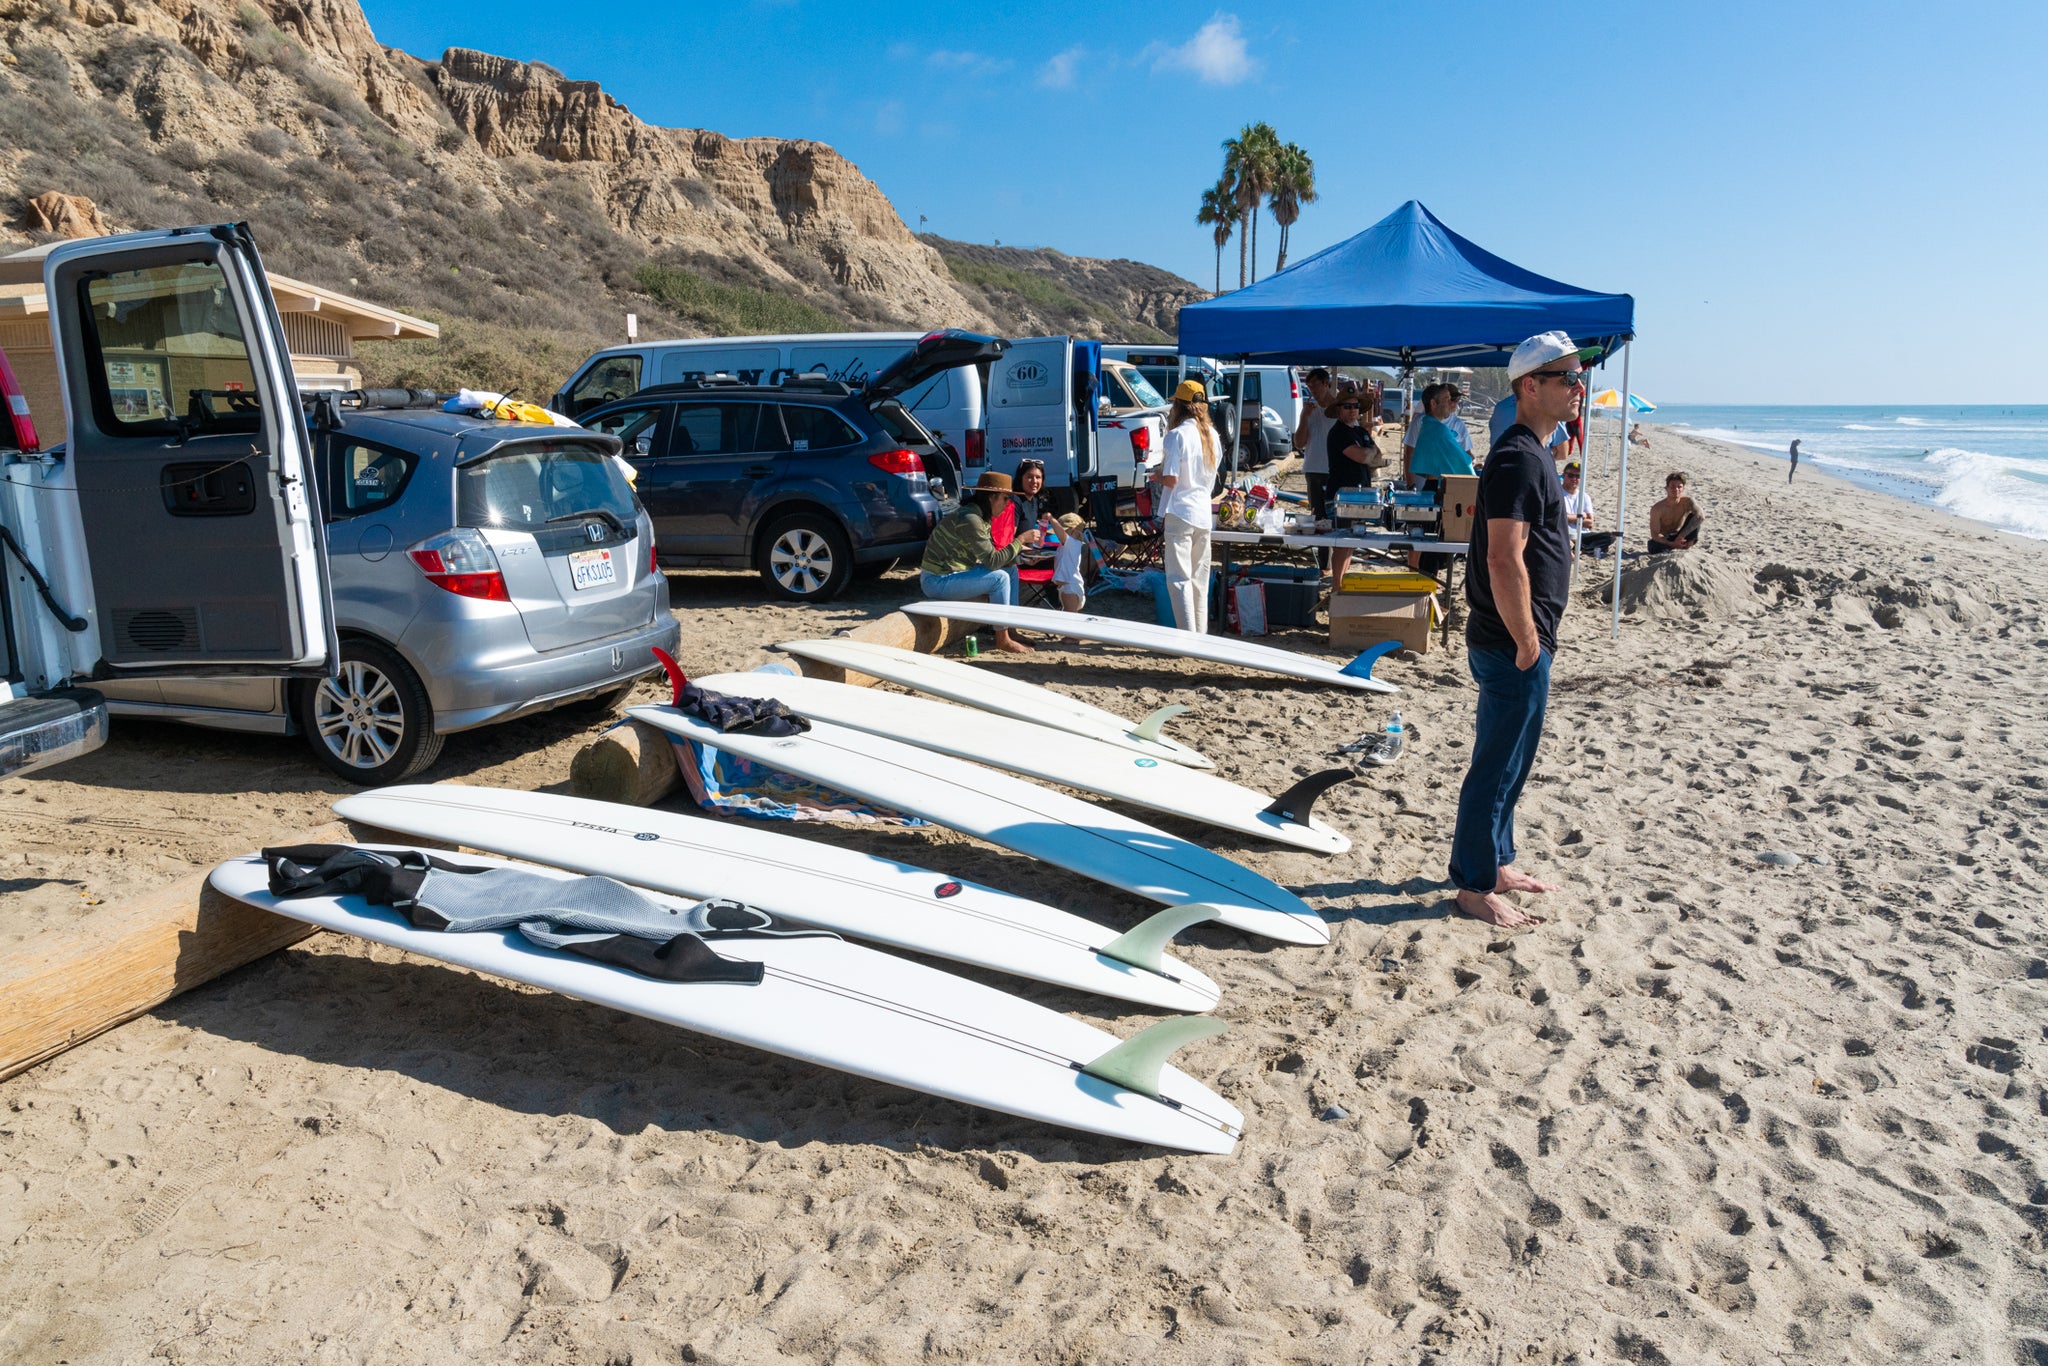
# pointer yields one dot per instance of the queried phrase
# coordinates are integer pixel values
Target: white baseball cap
(1544, 348)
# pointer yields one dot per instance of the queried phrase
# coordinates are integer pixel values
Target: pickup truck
(177, 532)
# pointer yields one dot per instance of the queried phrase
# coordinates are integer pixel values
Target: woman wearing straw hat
(961, 562)
(1187, 474)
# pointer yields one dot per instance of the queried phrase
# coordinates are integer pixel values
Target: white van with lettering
(948, 405)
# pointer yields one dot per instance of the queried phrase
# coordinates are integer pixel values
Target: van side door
(191, 499)
(1030, 401)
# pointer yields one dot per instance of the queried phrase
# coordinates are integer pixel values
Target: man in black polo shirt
(1516, 581)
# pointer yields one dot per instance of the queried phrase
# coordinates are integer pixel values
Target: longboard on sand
(1062, 830)
(1166, 640)
(1053, 756)
(823, 1000)
(805, 881)
(991, 689)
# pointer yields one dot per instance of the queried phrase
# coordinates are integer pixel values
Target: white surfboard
(837, 1004)
(1141, 635)
(806, 881)
(1053, 756)
(1061, 830)
(991, 689)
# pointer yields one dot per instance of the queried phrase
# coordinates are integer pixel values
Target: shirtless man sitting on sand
(1674, 519)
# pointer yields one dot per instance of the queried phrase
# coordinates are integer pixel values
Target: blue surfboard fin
(1135, 1063)
(1143, 946)
(1148, 729)
(1361, 667)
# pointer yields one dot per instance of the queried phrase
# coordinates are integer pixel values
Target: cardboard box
(1461, 491)
(1373, 605)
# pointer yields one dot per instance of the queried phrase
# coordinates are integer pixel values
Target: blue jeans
(1510, 724)
(966, 584)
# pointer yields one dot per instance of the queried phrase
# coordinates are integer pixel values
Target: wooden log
(900, 630)
(67, 986)
(631, 763)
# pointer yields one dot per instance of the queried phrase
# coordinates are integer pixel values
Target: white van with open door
(1043, 403)
(177, 531)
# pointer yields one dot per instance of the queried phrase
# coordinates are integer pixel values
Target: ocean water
(1986, 463)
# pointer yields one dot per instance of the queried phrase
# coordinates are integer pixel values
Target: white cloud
(1215, 54)
(968, 63)
(1059, 70)
(889, 118)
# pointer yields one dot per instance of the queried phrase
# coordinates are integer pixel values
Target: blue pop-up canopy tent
(1406, 292)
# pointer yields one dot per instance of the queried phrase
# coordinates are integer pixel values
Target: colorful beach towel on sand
(733, 786)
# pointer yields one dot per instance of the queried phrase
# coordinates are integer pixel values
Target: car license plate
(590, 568)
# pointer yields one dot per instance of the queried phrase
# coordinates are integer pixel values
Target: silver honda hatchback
(483, 570)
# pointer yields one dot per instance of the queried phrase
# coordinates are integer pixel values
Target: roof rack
(823, 384)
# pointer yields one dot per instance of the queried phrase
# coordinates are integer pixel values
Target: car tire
(373, 724)
(805, 558)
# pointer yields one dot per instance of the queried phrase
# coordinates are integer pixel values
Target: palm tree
(1219, 210)
(1294, 184)
(1248, 163)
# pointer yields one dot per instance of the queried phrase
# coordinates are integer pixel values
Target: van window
(365, 478)
(164, 346)
(747, 364)
(613, 377)
(529, 486)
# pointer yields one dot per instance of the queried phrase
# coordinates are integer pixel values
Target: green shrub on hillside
(528, 362)
(1036, 290)
(731, 310)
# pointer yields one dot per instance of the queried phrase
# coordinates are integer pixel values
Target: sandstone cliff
(525, 210)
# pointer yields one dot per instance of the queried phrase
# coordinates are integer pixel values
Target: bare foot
(1012, 645)
(1511, 881)
(1489, 907)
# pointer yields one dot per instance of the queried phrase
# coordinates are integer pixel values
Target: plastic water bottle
(1389, 747)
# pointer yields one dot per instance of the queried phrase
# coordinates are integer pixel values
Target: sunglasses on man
(1573, 379)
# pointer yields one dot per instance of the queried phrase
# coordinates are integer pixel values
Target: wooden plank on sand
(62, 988)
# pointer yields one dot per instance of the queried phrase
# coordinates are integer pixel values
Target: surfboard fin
(1148, 729)
(676, 679)
(1361, 667)
(1135, 1063)
(1294, 804)
(1141, 947)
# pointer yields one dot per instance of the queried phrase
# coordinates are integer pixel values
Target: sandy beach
(1768, 1084)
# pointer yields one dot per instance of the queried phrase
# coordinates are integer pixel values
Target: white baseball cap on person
(1542, 349)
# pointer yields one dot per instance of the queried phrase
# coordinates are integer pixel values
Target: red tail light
(897, 462)
(461, 562)
(19, 422)
(1141, 442)
(1293, 386)
(653, 558)
(977, 446)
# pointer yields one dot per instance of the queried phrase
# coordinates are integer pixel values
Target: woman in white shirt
(1187, 474)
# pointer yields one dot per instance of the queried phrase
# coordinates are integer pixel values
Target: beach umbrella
(1611, 398)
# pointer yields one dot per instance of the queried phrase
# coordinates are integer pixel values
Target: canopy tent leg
(1621, 510)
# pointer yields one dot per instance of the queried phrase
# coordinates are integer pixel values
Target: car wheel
(806, 558)
(373, 723)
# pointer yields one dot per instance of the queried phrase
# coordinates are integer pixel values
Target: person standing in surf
(1795, 462)
(1187, 475)
(1516, 582)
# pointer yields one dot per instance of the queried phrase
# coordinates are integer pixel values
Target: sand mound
(1685, 587)
(1860, 597)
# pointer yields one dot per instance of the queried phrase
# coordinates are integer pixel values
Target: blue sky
(1811, 203)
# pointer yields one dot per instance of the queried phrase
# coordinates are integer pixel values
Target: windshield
(1147, 396)
(528, 486)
